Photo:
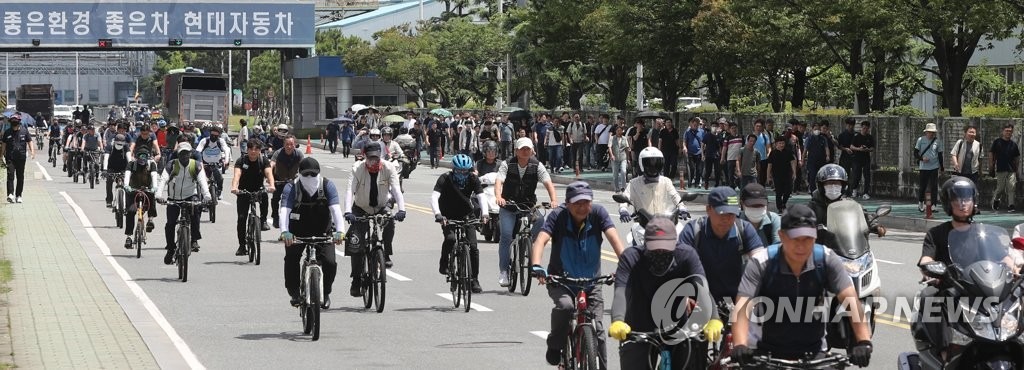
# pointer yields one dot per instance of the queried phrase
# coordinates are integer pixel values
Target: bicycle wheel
(586, 354)
(380, 280)
(465, 277)
(140, 234)
(524, 267)
(254, 239)
(179, 252)
(92, 178)
(314, 302)
(212, 208)
(365, 282)
(453, 277)
(513, 265)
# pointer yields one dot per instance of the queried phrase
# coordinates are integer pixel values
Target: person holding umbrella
(14, 142)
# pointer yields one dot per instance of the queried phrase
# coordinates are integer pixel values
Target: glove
(338, 237)
(127, 189)
(619, 330)
(161, 200)
(439, 219)
(684, 214)
(860, 354)
(538, 271)
(400, 216)
(287, 237)
(742, 355)
(351, 218)
(713, 330)
(624, 216)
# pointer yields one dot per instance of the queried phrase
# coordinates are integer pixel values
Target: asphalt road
(232, 314)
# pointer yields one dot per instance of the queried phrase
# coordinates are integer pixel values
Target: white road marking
(392, 274)
(331, 167)
(154, 312)
(889, 262)
(540, 333)
(46, 175)
(474, 306)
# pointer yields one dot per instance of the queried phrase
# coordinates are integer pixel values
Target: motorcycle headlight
(979, 322)
(861, 264)
(1008, 324)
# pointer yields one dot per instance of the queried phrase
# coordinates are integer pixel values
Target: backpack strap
(773, 262)
(698, 233)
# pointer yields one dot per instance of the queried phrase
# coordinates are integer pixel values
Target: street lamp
(503, 74)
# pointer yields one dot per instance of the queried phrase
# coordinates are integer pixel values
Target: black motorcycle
(977, 309)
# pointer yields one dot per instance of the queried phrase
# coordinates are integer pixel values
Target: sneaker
(443, 268)
(295, 301)
(476, 286)
(128, 242)
(327, 302)
(10, 198)
(220, 197)
(853, 193)
(195, 246)
(265, 226)
(355, 290)
(110, 205)
(276, 224)
(18, 200)
(995, 205)
(553, 356)
(865, 197)
(920, 207)
(1010, 209)
(503, 279)
(149, 226)
(241, 251)
(169, 257)
(387, 263)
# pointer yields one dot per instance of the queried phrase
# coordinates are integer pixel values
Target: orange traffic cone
(309, 145)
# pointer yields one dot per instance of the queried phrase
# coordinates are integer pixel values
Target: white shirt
(603, 138)
(409, 123)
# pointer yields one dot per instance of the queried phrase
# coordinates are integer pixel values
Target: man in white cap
(183, 179)
(518, 184)
(928, 152)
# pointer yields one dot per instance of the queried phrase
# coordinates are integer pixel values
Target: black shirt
(252, 172)
(638, 142)
(936, 243)
(712, 145)
(456, 203)
(863, 140)
(332, 129)
(633, 272)
(669, 137)
(434, 135)
(780, 162)
(16, 141)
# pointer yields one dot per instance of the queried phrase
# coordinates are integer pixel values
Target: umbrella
(441, 112)
(393, 119)
(510, 109)
(519, 115)
(650, 114)
(26, 119)
(357, 107)
(343, 119)
(365, 109)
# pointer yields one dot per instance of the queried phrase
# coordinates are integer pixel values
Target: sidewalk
(62, 315)
(904, 212)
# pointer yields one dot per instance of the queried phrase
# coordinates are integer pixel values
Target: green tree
(407, 60)
(266, 77)
(331, 42)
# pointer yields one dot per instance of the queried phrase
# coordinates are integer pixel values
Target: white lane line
(474, 306)
(46, 175)
(889, 262)
(392, 274)
(540, 333)
(331, 167)
(154, 312)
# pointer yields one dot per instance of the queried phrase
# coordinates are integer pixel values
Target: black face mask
(660, 262)
(184, 156)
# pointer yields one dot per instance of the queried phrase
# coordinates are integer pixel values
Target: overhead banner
(253, 24)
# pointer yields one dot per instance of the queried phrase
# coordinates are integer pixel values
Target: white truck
(192, 95)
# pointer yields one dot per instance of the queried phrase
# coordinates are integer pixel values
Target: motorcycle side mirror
(619, 198)
(883, 210)
(688, 197)
(934, 269)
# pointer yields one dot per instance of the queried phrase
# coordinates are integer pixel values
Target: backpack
(192, 168)
(558, 135)
(771, 267)
(698, 235)
(297, 190)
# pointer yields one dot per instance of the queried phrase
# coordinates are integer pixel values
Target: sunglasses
(309, 174)
(461, 172)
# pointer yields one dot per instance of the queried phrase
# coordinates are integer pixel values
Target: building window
(331, 107)
(385, 100)
(94, 95)
(362, 99)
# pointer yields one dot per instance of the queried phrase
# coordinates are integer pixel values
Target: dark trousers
(812, 175)
(359, 231)
(713, 168)
(783, 190)
(15, 171)
(332, 143)
(346, 147)
(435, 153)
(861, 170)
(129, 211)
(505, 149)
(213, 173)
(762, 172)
(542, 154)
(293, 267)
(972, 176)
(928, 180)
(173, 211)
(731, 179)
(562, 313)
(242, 207)
(695, 169)
(275, 201)
(601, 156)
(449, 242)
(671, 169)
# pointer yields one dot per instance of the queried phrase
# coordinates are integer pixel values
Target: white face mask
(817, 132)
(833, 192)
(755, 215)
(311, 184)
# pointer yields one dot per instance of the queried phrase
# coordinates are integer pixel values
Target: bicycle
(828, 361)
(93, 170)
(374, 275)
(311, 291)
(460, 271)
(54, 151)
(581, 350)
(519, 256)
(183, 232)
(39, 137)
(119, 202)
(253, 228)
(659, 342)
(74, 164)
(142, 205)
(211, 206)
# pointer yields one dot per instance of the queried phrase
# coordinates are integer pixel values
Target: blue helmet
(161, 123)
(462, 162)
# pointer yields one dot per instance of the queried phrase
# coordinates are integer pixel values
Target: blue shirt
(541, 129)
(930, 150)
(693, 139)
(288, 198)
(761, 144)
(575, 251)
(722, 257)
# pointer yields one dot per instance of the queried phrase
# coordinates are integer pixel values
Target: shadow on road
(239, 263)
(431, 308)
(165, 280)
(351, 310)
(292, 336)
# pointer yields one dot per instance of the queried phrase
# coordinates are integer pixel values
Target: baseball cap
(799, 221)
(371, 150)
(282, 127)
(723, 200)
(577, 191)
(184, 146)
(524, 142)
(660, 234)
(754, 195)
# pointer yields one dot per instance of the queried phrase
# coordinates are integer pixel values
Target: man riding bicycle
(285, 165)
(182, 180)
(146, 140)
(454, 198)
(250, 171)
(71, 145)
(371, 189)
(576, 230)
(116, 162)
(215, 154)
(90, 142)
(109, 133)
(518, 183)
(140, 173)
(311, 204)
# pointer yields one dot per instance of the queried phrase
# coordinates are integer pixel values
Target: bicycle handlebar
(251, 193)
(767, 362)
(525, 207)
(314, 239)
(194, 203)
(470, 222)
(379, 217)
(581, 282)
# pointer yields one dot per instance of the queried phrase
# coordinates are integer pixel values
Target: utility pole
(231, 90)
(77, 74)
(639, 86)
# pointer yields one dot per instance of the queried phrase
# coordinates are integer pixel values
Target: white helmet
(651, 161)
(375, 132)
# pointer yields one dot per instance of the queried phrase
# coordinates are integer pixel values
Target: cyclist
(54, 133)
(490, 162)
(576, 230)
(518, 184)
(454, 198)
(182, 180)
(215, 154)
(71, 144)
(108, 141)
(313, 203)
(276, 140)
(831, 183)
(250, 171)
(116, 162)
(285, 165)
(91, 141)
(771, 281)
(640, 273)
(651, 191)
(146, 140)
(754, 200)
(172, 139)
(139, 173)
(373, 186)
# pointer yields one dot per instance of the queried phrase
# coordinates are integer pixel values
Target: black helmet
(309, 167)
(403, 131)
(831, 172)
(957, 187)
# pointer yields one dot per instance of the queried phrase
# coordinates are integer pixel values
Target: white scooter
(641, 216)
(490, 231)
